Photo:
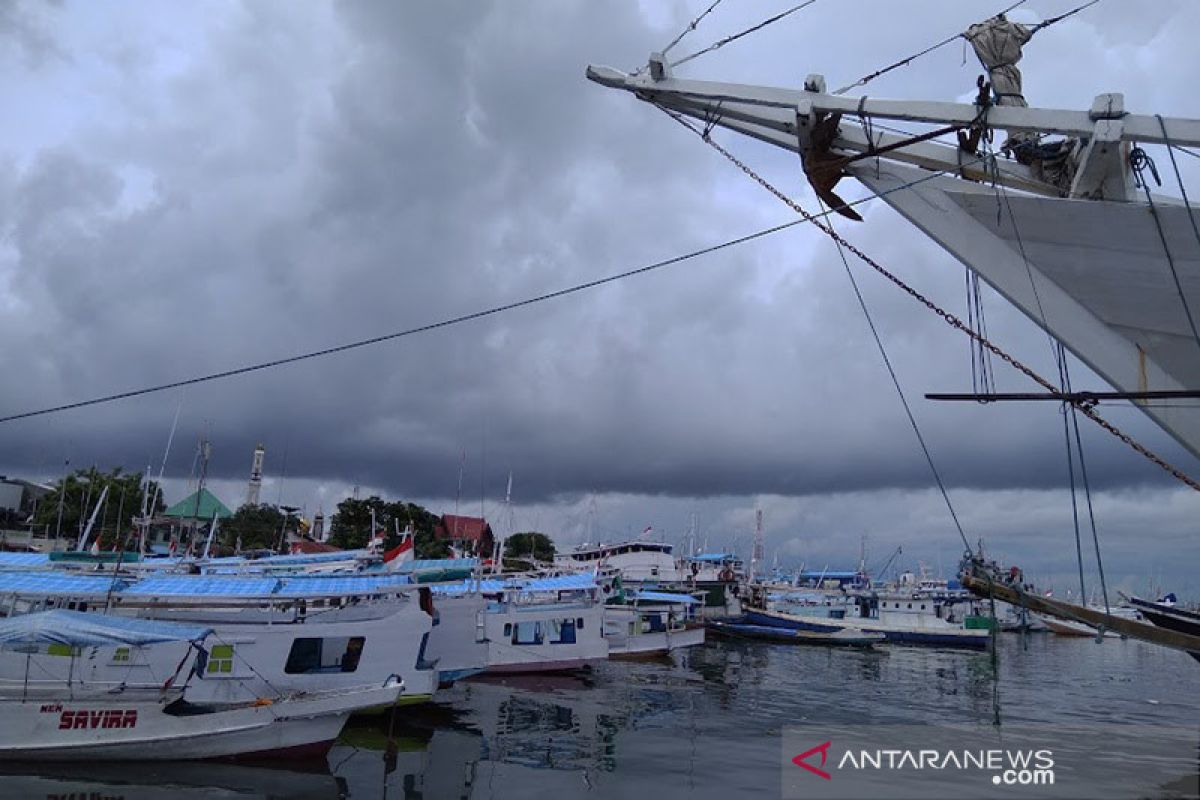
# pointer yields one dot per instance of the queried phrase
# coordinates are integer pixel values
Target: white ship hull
(140, 730)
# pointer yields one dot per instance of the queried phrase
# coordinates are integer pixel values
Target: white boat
(637, 561)
(83, 716)
(652, 623)
(901, 619)
(537, 624)
(269, 633)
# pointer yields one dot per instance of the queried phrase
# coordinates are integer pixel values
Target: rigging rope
(1087, 486)
(912, 420)
(1178, 178)
(721, 43)
(1139, 162)
(1064, 380)
(983, 379)
(950, 319)
(1060, 358)
(863, 81)
(691, 26)
(906, 61)
(446, 323)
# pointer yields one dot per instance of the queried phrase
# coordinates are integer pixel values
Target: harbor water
(707, 723)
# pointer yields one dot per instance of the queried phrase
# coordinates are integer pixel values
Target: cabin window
(562, 631)
(314, 655)
(220, 659)
(121, 655)
(61, 650)
(922, 606)
(654, 571)
(527, 633)
(909, 605)
(579, 623)
(507, 629)
(654, 623)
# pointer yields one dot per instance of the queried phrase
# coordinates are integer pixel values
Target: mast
(756, 553)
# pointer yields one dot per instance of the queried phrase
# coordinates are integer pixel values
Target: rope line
(912, 420)
(1065, 380)
(863, 81)
(1178, 178)
(721, 43)
(1087, 491)
(454, 320)
(946, 316)
(1139, 162)
(691, 26)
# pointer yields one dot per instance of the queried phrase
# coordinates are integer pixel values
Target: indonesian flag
(649, 529)
(400, 554)
(1049, 593)
(173, 547)
(377, 539)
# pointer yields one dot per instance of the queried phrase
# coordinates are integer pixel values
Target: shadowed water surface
(707, 723)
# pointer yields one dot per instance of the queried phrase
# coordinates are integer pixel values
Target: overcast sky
(188, 188)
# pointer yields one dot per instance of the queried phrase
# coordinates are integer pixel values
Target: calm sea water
(706, 723)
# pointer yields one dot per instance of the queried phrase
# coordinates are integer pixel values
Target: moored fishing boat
(651, 623)
(1167, 613)
(549, 624)
(840, 637)
(869, 615)
(88, 716)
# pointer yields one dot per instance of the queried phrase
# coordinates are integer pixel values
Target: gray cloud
(205, 191)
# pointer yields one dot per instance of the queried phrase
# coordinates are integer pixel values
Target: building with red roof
(470, 534)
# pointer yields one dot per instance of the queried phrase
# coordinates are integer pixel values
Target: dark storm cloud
(303, 179)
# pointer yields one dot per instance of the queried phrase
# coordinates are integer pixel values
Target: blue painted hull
(816, 625)
(915, 636)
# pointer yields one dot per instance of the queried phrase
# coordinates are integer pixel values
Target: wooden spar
(1057, 608)
(1072, 397)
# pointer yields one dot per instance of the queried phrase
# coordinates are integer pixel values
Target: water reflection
(162, 778)
(705, 724)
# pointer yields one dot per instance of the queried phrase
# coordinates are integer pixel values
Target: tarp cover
(80, 629)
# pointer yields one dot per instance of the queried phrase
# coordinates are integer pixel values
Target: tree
(350, 526)
(529, 546)
(257, 525)
(80, 491)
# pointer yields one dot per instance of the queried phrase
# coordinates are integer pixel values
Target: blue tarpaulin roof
(55, 582)
(560, 583)
(80, 629)
(23, 560)
(191, 585)
(305, 585)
